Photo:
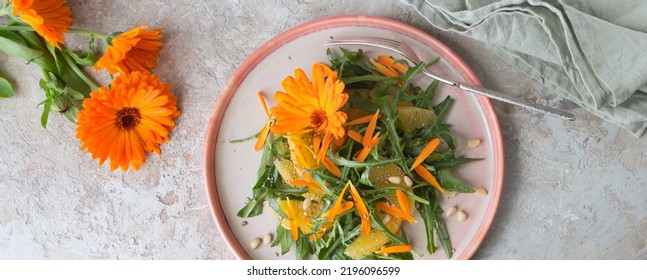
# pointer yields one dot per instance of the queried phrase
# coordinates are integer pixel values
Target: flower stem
(78, 72)
(87, 33)
(16, 28)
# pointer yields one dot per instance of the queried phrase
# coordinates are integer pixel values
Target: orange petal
(386, 70)
(260, 97)
(331, 167)
(361, 209)
(335, 210)
(428, 177)
(294, 227)
(363, 154)
(339, 141)
(386, 60)
(426, 151)
(345, 206)
(370, 129)
(262, 137)
(361, 120)
(394, 211)
(355, 135)
(395, 249)
(310, 182)
(403, 201)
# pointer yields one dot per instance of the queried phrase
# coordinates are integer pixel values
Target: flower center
(318, 118)
(128, 118)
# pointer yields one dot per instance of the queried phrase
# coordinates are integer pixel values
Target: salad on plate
(352, 155)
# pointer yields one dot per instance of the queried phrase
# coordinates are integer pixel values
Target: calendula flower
(312, 107)
(128, 120)
(134, 50)
(49, 18)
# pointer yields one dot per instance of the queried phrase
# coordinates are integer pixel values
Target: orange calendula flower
(312, 107)
(49, 18)
(124, 122)
(369, 141)
(394, 249)
(134, 50)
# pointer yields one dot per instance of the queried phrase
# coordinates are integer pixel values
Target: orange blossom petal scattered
(426, 151)
(361, 209)
(394, 249)
(428, 177)
(262, 137)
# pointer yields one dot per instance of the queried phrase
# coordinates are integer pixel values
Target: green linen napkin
(593, 52)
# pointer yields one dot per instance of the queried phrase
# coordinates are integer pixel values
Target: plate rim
(215, 120)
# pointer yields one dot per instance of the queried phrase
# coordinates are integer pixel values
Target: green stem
(17, 28)
(78, 71)
(87, 33)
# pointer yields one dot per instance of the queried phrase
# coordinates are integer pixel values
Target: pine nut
(449, 194)
(461, 216)
(450, 211)
(267, 239)
(408, 181)
(306, 203)
(254, 244)
(395, 180)
(480, 191)
(386, 219)
(473, 143)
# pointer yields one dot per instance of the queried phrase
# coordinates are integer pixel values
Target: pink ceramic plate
(230, 168)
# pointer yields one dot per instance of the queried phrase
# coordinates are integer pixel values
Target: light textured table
(573, 190)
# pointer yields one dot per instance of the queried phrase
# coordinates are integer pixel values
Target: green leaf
(451, 183)
(68, 72)
(453, 162)
(86, 59)
(283, 238)
(304, 247)
(6, 90)
(35, 42)
(47, 107)
(13, 45)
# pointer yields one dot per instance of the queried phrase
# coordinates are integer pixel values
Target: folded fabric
(593, 52)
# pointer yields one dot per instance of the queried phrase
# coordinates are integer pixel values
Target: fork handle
(508, 99)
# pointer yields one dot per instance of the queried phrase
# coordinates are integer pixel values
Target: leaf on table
(6, 90)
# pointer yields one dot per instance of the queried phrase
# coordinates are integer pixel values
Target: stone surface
(573, 190)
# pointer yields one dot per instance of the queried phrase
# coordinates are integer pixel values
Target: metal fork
(408, 53)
